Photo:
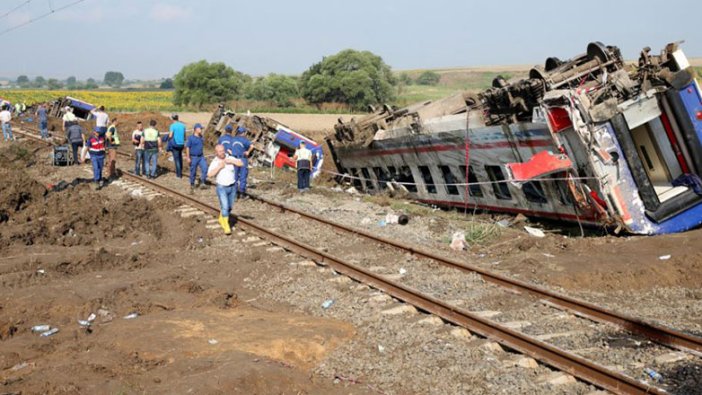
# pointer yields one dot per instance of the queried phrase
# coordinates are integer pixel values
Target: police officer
(194, 155)
(241, 148)
(225, 140)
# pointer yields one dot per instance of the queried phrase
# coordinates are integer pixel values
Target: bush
(352, 77)
(203, 83)
(280, 89)
(428, 78)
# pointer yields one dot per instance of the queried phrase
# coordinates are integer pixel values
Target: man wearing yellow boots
(223, 168)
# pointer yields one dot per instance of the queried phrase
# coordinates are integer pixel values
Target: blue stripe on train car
(81, 105)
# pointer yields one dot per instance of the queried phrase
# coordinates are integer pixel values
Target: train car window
(405, 177)
(499, 187)
(356, 181)
(449, 180)
(382, 177)
(367, 179)
(428, 180)
(474, 188)
(534, 192)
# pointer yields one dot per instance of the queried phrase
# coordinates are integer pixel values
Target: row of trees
(113, 79)
(356, 78)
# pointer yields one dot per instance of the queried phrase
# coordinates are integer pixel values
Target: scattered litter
(548, 255)
(84, 323)
(366, 221)
(664, 257)
(41, 328)
(41, 271)
(396, 219)
(137, 193)
(352, 191)
(200, 240)
(381, 348)
(382, 223)
(19, 366)
(337, 189)
(458, 241)
(536, 232)
(92, 317)
(213, 341)
(653, 374)
(327, 303)
(131, 316)
(505, 223)
(403, 271)
(50, 332)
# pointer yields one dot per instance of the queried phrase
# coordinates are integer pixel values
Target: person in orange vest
(96, 147)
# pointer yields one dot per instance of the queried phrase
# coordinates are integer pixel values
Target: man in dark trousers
(303, 161)
(176, 137)
(194, 154)
(241, 148)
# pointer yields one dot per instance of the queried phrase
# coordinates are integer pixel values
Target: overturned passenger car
(589, 139)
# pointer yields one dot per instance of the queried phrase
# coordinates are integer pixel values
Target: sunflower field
(112, 100)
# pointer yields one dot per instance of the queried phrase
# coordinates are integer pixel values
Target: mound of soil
(76, 215)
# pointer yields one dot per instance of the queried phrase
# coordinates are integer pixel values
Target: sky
(151, 39)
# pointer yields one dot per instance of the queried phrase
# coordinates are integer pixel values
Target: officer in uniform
(241, 148)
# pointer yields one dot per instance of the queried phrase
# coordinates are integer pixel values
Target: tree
(352, 77)
(205, 83)
(428, 78)
(71, 82)
(39, 82)
(166, 84)
(113, 79)
(23, 80)
(405, 79)
(277, 88)
(54, 84)
(91, 84)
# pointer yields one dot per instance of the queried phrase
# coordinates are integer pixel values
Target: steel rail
(657, 333)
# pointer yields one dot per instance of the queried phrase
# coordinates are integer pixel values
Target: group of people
(228, 168)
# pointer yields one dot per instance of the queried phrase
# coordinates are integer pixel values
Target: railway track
(549, 354)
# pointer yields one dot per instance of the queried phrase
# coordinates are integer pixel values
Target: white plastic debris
(131, 316)
(392, 219)
(505, 223)
(458, 241)
(83, 322)
(403, 271)
(50, 332)
(536, 232)
(213, 341)
(352, 191)
(548, 255)
(664, 257)
(366, 221)
(41, 271)
(327, 303)
(41, 328)
(381, 348)
(92, 317)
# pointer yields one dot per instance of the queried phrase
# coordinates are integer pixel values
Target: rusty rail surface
(657, 333)
(553, 356)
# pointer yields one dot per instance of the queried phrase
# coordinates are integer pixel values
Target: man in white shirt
(69, 118)
(222, 168)
(5, 118)
(101, 120)
(303, 161)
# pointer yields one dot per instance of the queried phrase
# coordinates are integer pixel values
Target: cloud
(162, 12)
(17, 18)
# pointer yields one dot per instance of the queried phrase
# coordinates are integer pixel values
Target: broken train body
(590, 139)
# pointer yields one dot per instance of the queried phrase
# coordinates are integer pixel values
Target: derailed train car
(590, 139)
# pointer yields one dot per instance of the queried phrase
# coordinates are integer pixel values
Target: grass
(482, 233)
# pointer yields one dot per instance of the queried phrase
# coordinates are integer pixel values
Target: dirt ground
(217, 316)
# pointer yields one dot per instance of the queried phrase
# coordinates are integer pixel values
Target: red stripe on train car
(450, 147)
(546, 214)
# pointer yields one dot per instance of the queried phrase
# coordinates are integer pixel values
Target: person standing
(43, 121)
(226, 139)
(101, 119)
(5, 118)
(152, 147)
(222, 168)
(195, 156)
(241, 149)
(303, 161)
(138, 142)
(69, 118)
(176, 137)
(96, 147)
(75, 137)
(113, 143)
